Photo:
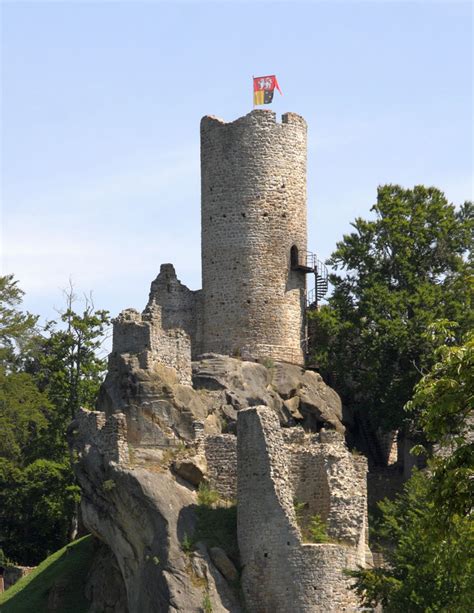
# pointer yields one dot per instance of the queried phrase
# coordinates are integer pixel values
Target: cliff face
(143, 514)
(141, 460)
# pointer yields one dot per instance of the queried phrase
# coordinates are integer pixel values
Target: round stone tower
(253, 221)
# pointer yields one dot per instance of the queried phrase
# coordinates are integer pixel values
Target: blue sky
(101, 103)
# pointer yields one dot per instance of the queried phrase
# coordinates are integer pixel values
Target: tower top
(257, 117)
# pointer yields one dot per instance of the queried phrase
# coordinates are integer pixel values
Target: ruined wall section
(143, 335)
(221, 457)
(281, 572)
(331, 483)
(253, 194)
(108, 435)
(323, 476)
(179, 306)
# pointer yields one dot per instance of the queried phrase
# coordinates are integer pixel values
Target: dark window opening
(294, 257)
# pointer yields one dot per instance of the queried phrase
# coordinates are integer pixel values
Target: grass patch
(268, 363)
(206, 603)
(174, 453)
(187, 544)
(108, 485)
(70, 566)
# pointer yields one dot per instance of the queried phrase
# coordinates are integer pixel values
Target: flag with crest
(263, 88)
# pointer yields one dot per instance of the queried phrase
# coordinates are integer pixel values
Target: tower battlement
(258, 116)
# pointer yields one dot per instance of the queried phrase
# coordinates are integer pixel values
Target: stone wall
(221, 457)
(281, 572)
(107, 434)
(170, 347)
(144, 335)
(323, 477)
(253, 195)
(388, 445)
(177, 302)
(333, 484)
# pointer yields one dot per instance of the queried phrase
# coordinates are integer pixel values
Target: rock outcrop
(140, 470)
(161, 411)
(143, 515)
(105, 588)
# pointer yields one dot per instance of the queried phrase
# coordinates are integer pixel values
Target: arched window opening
(294, 257)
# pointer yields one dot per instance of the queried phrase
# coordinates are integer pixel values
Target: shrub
(207, 497)
(317, 531)
(108, 485)
(187, 544)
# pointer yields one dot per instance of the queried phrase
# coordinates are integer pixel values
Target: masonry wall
(253, 194)
(309, 484)
(176, 301)
(332, 483)
(107, 435)
(281, 572)
(169, 346)
(144, 335)
(221, 457)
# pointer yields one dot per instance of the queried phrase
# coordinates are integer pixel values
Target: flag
(263, 88)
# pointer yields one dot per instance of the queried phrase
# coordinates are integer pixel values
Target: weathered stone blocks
(253, 211)
(281, 572)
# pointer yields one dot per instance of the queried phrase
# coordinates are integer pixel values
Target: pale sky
(101, 103)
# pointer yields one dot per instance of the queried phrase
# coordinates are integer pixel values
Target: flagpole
(253, 95)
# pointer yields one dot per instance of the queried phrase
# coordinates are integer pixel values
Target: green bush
(207, 497)
(317, 530)
(187, 544)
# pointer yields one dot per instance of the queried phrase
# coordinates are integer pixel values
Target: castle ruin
(253, 251)
(221, 370)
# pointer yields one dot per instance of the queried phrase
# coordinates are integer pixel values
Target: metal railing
(321, 280)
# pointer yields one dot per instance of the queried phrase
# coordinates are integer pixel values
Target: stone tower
(253, 223)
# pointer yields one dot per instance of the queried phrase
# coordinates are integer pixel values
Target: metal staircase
(309, 263)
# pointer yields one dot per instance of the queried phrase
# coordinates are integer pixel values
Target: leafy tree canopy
(24, 412)
(402, 270)
(36, 504)
(428, 530)
(16, 328)
(68, 366)
(43, 381)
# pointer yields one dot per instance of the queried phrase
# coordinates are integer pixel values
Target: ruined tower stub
(253, 221)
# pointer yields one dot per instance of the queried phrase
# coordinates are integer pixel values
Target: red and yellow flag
(263, 88)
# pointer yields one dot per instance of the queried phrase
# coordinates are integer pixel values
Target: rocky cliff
(158, 469)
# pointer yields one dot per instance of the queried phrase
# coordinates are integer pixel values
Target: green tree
(43, 380)
(17, 329)
(443, 405)
(23, 408)
(36, 504)
(25, 412)
(68, 366)
(427, 533)
(402, 270)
